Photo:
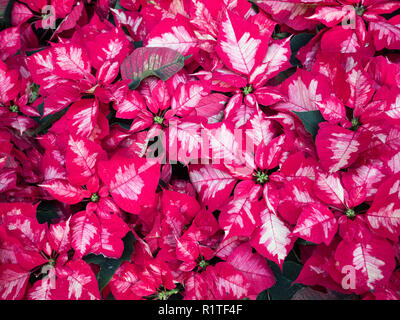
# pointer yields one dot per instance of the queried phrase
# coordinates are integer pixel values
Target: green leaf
(311, 121)
(138, 44)
(107, 270)
(307, 293)
(5, 13)
(31, 52)
(296, 43)
(47, 122)
(124, 123)
(145, 62)
(284, 287)
(128, 240)
(118, 5)
(281, 76)
(46, 212)
(108, 266)
(3, 7)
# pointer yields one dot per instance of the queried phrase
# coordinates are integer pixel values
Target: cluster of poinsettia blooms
(84, 102)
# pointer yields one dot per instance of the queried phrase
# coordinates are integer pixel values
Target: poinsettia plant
(199, 150)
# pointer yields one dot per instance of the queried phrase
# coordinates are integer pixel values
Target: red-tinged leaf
(10, 42)
(226, 282)
(355, 229)
(132, 20)
(212, 183)
(63, 7)
(26, 230)
(341, 40)
(108, 46)
(186, 251)
(225, 144)
(13, 282)
(204, 225)
(20, 14)
(227, 246)
(76, 281)
(144, 62)
(384, 7)
(175, 202)
(196, 287)
(332, 109)
(316, 224)
(132, 181)
(12, 209)
(384, 214)
(293, 13)
(297, 165)
(59, 236)
(112, 230)
(63, 191)
(81, 158)
(315, 269)
(337, 147)
(329, 16)
(229, 77)
(128, 284)
(270, 157)
(253, 266)
(60, 98)
(71, 19)
(386, 33)
(361, 89)
(390, 108)
(171, 228)
(363, 180)
(185, 141)
(82, 117)
(107, 73)
(175, 34)
(275, 61)
(9, 85)
(22, 124)
(373, 262)
(329, 188)
(259, 129)
(72, 62)
(157, 273)
(294, 197)
(43, 289)
(303, 90)
(265, 24)
(52, 169)
(384, 294)
(239, 45)
(42, 67)
(85, 232)
(239, 113)
(308, 53)
(268, 96)
(212, 107)
(158, 97)
(8, 248)
(386, 141)
(8, 180)
(187, 96)
(203, 19)
(240, 216)
(273, 239)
